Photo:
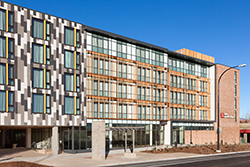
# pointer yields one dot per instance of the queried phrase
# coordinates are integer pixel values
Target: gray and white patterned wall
(23, 66)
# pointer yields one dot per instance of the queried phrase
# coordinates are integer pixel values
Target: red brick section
(230, 128)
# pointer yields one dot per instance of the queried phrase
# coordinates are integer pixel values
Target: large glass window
(38, 103)
(38, 54)
(69, 36)
(69, 105)
(2, 101)
(2, 74)
(38, 78)
(2, 20)
(69, 82)
(99, 44)
(38, 31)
(68, 59)
(2, 46)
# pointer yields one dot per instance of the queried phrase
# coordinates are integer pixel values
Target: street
(228, 160)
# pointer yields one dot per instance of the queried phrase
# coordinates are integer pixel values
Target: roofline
(125, 39)
(129, 40)
(227, 66)
(189, 58)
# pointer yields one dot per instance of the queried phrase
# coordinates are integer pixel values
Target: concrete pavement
(115, 157)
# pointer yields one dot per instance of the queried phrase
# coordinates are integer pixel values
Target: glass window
(11, 75)
(38, 78)
(139, 93)
(125, 91)
(106, 110)
(68, 105)
(2, 20)
(106, 89)
(96, 88)
(77, 60)
(37, 53)
(69, 82)
(120, 70)
(38, 28)
(101, 110)
(148, 113)
(95, 109)
(10, 48)
(106, 67)
(77, 83)
(47, 31)
(95, 65)
(120, 111)
(38, 103)
(101, 66)
(2, 101)
(101, 88)
(77, 38)
(148, 75)
(125, 111)
(139, 73)
(2, 47)
(47, 55)
(47, 79)
(69, 59)
(10, 101)
(69, 36)
(139, 112)
(47, 104)
(77, 105)
(124, 71)
(2, 74)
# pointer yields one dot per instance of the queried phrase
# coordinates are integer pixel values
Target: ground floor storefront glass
(79, 139)
(178, 129)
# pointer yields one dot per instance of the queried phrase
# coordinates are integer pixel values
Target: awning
(123, 128)
(242, 130)
(247, 131)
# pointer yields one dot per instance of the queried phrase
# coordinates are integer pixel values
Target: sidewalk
(115, 157)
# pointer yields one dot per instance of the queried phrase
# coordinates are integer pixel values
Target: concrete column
(110, 137)
(98, 140)
(3, 138)
(245, 137)
(167, 133)
(28, 138)
(54, 142)
(150, 135)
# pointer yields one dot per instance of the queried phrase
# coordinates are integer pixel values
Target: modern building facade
(57, 76)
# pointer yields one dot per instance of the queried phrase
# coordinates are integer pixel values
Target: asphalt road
(227, 160)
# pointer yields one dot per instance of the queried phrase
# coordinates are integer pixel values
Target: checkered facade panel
(23, 66)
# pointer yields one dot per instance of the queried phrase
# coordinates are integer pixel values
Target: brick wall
(200, 136)
(230, 128)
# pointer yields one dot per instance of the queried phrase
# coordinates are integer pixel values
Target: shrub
(211, 143)
(206, 143)
(225, 143)
(188, 145)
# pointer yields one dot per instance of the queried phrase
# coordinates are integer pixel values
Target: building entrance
(15, 137)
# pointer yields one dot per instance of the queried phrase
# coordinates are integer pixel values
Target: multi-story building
(57, 76)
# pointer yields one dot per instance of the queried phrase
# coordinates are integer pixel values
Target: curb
(207, 155)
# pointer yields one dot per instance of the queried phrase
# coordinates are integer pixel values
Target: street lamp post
(218, 135)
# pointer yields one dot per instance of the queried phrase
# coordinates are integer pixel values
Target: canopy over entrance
(126, 135)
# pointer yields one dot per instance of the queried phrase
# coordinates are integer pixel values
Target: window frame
(65, 82)
(43, 103)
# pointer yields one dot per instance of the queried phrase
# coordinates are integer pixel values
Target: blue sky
(217, 28)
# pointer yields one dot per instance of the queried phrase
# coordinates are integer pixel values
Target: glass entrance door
(67, 139)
